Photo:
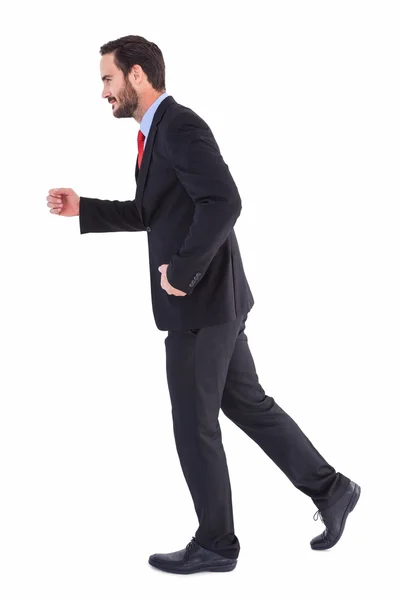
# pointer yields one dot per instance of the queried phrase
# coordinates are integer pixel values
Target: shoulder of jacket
(179, 115)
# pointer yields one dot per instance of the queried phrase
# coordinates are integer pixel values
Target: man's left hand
(166, 285)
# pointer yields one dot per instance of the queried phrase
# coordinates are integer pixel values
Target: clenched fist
(63, 201)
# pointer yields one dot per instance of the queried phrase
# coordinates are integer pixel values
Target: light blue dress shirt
(148, 116)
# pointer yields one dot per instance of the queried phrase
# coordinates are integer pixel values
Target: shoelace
(318, 514)
(190, 546)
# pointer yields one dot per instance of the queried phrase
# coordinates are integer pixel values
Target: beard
(127, 102)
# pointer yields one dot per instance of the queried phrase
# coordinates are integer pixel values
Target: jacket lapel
(141, 174)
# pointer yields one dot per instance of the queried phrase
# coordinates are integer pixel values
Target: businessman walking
(187, 202)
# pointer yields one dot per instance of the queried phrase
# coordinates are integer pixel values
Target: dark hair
(136, 50)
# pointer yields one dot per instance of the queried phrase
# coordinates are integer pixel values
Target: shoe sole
(219, 568)
(353, 501)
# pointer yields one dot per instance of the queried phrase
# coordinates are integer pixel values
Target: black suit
(188, 203)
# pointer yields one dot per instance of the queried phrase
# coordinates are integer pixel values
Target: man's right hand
(64, 202)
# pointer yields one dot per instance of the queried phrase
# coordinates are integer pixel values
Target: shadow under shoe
(192, 559)
(334, 518)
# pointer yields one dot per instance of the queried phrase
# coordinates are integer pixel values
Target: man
(187, 202)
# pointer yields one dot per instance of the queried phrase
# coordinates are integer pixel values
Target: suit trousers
(212, 368)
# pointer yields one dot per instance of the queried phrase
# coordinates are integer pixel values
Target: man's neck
(146, 103)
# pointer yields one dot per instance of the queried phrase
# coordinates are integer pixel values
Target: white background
(303, 99)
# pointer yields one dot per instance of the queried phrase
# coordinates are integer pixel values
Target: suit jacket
(187, 202)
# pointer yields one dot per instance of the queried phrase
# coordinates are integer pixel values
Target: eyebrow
(104, 77)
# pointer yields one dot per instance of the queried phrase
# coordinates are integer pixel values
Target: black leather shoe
(192, 559)
(335, 517)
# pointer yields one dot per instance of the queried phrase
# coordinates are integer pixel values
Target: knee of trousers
(193, 433)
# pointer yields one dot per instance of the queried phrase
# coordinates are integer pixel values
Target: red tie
(140, 143)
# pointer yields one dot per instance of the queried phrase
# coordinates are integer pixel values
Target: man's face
(117, 89)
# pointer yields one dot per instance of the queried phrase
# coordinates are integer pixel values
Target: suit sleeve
(99, 216)
(195, 156)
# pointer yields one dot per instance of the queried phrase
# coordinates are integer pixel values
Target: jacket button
(148, 228)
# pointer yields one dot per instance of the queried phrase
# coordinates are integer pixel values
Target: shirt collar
(148, 116)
